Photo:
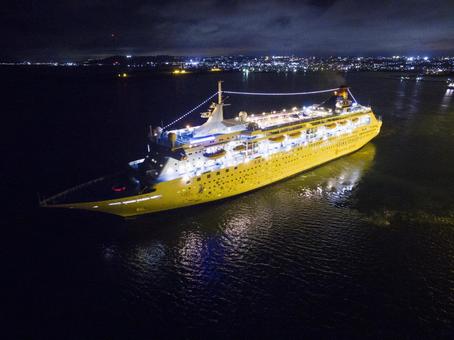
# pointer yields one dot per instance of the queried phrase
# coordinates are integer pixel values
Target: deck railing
(45, 202)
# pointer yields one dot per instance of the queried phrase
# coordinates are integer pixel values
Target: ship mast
(215, 116)
(220, 92)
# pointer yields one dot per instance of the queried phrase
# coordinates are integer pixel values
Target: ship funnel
(343, 92)
(343, 100)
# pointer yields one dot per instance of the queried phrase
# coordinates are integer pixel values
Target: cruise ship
(226, 157)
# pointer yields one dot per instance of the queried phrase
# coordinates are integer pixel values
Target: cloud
(84, 28)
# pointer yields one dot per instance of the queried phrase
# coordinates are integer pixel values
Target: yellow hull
(238, 179)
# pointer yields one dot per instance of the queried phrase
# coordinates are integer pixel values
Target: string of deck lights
(190, 111)
(279, 93)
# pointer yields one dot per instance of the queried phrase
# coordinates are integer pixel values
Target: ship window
(208, 176)
(226, 170)
(218, 173)
(198, 179)
(187, 182)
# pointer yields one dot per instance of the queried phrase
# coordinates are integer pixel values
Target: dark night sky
(77, 29)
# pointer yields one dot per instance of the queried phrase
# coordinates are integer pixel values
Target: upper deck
(245, 127)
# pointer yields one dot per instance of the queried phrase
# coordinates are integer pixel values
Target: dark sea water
(360, 247)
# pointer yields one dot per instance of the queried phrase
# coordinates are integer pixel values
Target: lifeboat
(343, 122)
(330, 126)
(277, 139)
(215, 155)
(294, 134)
(354, 120)
(240, 147)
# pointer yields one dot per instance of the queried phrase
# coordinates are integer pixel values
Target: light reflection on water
(446, 101)
(336, 181)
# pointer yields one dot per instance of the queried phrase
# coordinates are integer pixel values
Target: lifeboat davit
(295, 134)
(215, 155)
(277, 139)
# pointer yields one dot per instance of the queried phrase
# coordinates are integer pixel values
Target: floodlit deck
(264, 121)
